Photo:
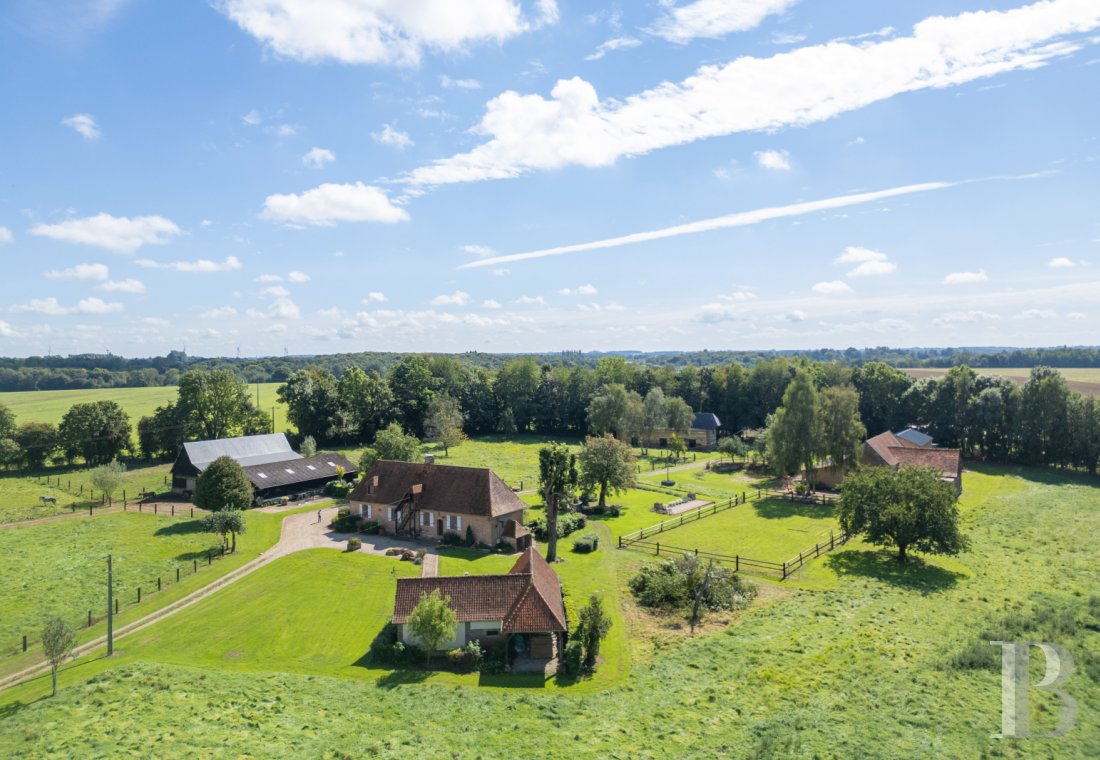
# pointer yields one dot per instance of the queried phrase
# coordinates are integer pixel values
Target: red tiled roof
(526, 600)
(881, 445)
(514, 529)
(463, 490)
(947, 462)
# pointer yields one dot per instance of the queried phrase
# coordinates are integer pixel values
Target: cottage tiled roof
(514, 529)
(881, 445)
(277, 474)
(462, 490)
(526, 600)
(947, 462)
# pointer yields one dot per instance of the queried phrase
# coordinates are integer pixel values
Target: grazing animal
(48, 500)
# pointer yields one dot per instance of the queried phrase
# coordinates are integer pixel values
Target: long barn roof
(246, 450)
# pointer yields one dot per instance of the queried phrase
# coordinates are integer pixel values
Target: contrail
(740, 219)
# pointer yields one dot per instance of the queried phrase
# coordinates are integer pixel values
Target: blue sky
(449, 175)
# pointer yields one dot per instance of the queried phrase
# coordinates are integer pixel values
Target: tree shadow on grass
(514, 680)
(1044, 475)
(915, 574)
(214, 551)
(183, 528)
(402, 678)
(778, 509)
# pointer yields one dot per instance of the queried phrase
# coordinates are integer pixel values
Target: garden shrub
(450, 538)
(338, 489)
(470, 541)
(354, 544)
(345, 522)
(467, 659)
(370, 528)
(589, 542)
(573, 657)
(664, 585)
(568, 522)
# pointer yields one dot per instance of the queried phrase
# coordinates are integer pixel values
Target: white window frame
(369, 515)
(389, 513)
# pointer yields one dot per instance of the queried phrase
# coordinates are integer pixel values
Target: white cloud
(741, 294)
(713, 313)
(869, 262)
(394, 138)
(1076, 315)
(458, 298)
(962, 278)
(79, 272)
(1038, 314)
(252, 118)
(381, 31)
(531, 300)
(739, 219)
(583, 290)
(297, 276)
(853, 143)
(318, 157)
(6, 236)
(6, 330)
(787, 38)
(51, 307)
(329, 203)
(278, 291)
(832, 287)
(970, 316)
(83, 124)
(574, 127)
(286, 130)
(269, 278)
(478, 250)
(715, 18)
(777, 160)
(280, 308)
(202, 266)
(223, 312)
(1061, 262)
(501, 272)
(490, 303)
(375, 296)
(796, 316)
(129, 285)
(618, 43)
(115, 233)
(206, 223)
(462, 84)
(155, 321)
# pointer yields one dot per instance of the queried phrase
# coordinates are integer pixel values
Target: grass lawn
(773, 530)
(60, 568)
(860, 657)
(50, 406)
(19, 494)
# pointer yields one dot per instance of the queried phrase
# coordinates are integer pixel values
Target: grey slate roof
(301, 470)
(246, 451)
(915, 437)
(706, 421)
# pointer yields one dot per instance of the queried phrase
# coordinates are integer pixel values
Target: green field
(1086, 381)
(855, 656)
(19, 494)
(59, 568)
(50, 406)
(772, 530)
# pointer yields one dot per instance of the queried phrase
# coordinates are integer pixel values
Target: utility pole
(110, 609)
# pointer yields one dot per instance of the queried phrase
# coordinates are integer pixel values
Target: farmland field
(59, 567)
(19, 494)
(856, 657)
(1086, 381)
(50, 406)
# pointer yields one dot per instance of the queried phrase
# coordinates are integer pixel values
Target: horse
(47, 500)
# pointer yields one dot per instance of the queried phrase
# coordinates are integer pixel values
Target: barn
(272, 466)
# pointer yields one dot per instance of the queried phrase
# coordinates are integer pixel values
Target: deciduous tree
(58, 642)
(223, 485)
(794, 432)
(393, 443)
(557, 481)
(842, 431)
(108, 478)
(443, 422)
(99, 431)
(432, 622)
(608, 464)
(910, 508)
(592, 627)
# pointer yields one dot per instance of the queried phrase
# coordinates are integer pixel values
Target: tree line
(86, 371)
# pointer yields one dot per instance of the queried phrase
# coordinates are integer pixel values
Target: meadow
(20, 494)
(50, 406)
(1082, 380)
(58, 567)
(856, 656)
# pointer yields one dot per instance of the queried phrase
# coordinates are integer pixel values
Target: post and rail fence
(637, 539)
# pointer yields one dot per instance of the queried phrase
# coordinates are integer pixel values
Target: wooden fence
(637, 539)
